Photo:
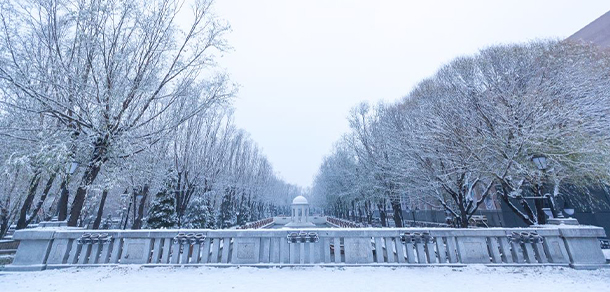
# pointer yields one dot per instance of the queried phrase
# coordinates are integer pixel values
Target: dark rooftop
(596, 32)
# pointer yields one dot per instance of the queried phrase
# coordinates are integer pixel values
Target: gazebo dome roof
(300, 200)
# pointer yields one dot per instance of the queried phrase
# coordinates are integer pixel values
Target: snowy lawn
(472, 278)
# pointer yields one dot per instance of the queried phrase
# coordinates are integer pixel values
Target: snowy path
(473, 278)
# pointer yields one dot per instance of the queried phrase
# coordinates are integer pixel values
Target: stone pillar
(33, 250)
(583, 246)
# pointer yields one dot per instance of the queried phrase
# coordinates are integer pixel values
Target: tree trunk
(100, 210)
(62, 205)
(5, 213)
(463, 220)
(25, 208)
(137, 224)
(369, 212)
(45, 193)
(81, 193)
(463, 216)
(3, 221)
(382, 216)
(240, 213)
(397, 213)
(91, 172)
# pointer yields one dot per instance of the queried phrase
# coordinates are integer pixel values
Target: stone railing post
(583, 245)
(33, 250)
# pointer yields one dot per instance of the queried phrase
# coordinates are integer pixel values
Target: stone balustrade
(425, 224)
(342, 222)
(263, 223)
(575, 246)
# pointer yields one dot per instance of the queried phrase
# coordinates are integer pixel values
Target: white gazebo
(300, 213)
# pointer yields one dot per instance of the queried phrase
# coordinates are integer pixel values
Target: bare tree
(469, 132)
(119, 74)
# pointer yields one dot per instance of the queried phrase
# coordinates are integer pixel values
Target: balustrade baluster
(337, 250)
(494, 249)
(378, 250)
(451, 249)
(226, 248)
(205, 253)
(156, 251)
(167, 246)
(441, 252)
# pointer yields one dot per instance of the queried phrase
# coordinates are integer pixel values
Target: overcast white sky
(303, 64)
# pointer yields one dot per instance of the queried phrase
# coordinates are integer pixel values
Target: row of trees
(465, 137)
(100, 98)
(216, 177)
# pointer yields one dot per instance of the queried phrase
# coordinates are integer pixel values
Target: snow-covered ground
(472, 278)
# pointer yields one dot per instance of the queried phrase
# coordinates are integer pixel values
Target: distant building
(595, 211)
(596, 32)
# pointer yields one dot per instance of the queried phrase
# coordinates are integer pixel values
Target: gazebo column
(299, 214)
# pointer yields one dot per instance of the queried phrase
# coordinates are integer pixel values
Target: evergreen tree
(227, 216)
(162, 213)
(242, 211)
(200, 214)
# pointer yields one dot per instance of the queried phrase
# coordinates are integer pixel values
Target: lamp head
(540, 162)
(71, 167)
(568, 209)
(548, 212)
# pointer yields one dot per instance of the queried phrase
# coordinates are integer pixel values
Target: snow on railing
(257, 224)
(342, 222)
(426, 224)
(575, 246)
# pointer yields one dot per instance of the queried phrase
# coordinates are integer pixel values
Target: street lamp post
(125, 210)
(567, 208)
(134, 197)
(135, 204)
(558, 218)
(413, 213)
(123, 214)
(541, 164)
